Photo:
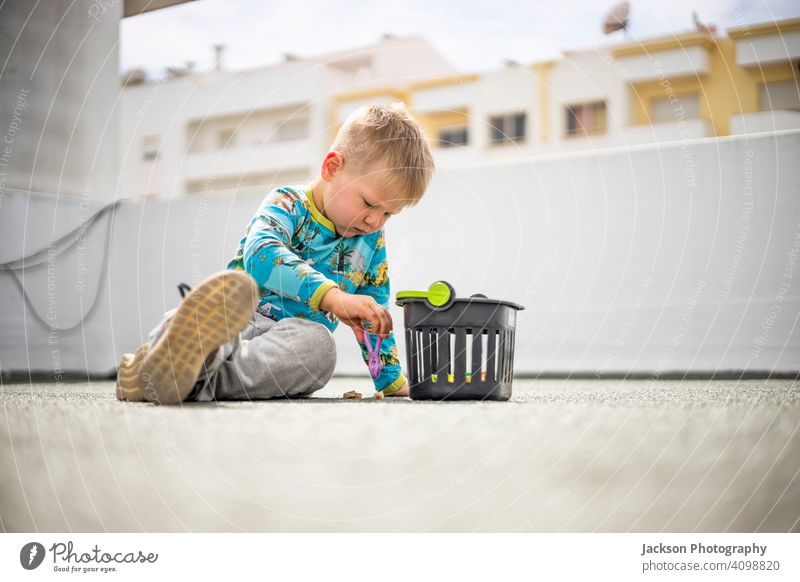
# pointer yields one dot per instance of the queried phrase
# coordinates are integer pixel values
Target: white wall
(764, 121)
(645, 259)
(762, 50)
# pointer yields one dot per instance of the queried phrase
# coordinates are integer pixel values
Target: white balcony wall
(445, 98)
(270, 157)
(763, 121)
(348, 107)
(752, 51)
(625, 260)
(669, 64)
(666, 132)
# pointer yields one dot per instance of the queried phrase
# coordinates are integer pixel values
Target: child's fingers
(385, 322)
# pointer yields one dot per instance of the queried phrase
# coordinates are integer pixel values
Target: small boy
(312, 256)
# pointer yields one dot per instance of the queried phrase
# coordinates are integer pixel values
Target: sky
(472, 35)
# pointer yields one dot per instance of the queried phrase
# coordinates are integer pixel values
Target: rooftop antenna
(219, 51)
(710, 28)
(617, 19)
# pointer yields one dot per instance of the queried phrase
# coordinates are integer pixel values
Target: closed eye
(371, 206)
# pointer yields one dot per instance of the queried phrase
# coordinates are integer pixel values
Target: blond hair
(387, 136)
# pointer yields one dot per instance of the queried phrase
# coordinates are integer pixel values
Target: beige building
(222, 131)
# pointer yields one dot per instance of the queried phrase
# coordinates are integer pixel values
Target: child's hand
(353, 309)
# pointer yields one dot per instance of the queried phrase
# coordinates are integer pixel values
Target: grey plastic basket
(463, 350)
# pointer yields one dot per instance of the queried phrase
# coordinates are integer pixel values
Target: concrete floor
(563, 455)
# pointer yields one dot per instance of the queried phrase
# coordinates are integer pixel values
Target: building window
(586, 118)
(292, 129)
(453, 136)
(677, 108)
(783, 95)
(150, 146)
(226, 137)
(506, 128)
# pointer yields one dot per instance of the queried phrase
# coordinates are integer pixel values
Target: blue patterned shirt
(294, 254)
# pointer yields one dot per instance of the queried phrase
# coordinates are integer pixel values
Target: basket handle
(439, 294)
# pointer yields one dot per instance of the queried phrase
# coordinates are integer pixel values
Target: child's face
(358, 203)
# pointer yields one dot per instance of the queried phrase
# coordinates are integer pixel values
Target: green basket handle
(439, 294)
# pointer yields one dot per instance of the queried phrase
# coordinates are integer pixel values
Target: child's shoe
(128, 375)
(165, 371)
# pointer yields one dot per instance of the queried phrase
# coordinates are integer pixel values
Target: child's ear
(332, 165)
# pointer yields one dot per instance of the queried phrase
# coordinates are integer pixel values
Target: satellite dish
(617, 18)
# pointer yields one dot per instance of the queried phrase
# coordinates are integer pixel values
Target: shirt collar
(315, 213)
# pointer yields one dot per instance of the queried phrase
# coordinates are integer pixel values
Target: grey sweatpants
(291, 358)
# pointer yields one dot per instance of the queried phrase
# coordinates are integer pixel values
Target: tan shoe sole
(130, 367)
(210, 315)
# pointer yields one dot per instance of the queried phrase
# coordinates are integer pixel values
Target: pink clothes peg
(375, 364)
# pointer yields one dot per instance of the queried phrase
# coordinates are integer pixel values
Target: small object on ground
(483, 376)
(468, 377)
(379, 395)
(352, 394)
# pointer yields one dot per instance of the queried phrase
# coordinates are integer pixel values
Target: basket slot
(510, 370)
(484, 354)
(420, 354)
(468, 351)
(460, 356)
(491, 355)
(477, 355)
(411, 351)
(509, 349)
(443, 357)
(427, 354)
(502, 348)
